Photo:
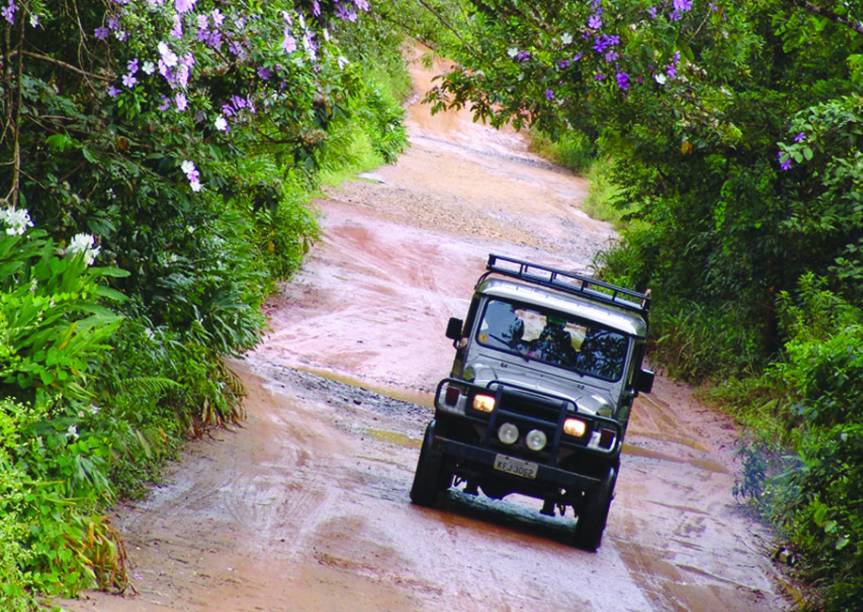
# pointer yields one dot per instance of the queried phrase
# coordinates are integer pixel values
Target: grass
(603, 193)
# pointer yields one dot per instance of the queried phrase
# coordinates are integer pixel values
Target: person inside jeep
(554, 344)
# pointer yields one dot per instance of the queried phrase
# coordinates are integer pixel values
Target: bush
(199, 208)
(809, 401)
(571, 149)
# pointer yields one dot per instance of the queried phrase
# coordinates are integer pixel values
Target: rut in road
(305, 507)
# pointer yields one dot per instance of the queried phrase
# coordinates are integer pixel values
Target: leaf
(807, 153)
(58, 143)
(109, 271)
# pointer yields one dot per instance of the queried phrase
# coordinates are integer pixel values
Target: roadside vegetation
(727, 137)
(156, 164)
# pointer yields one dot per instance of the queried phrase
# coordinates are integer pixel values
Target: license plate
(511, 465)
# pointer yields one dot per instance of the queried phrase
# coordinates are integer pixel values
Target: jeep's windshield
(555, 338)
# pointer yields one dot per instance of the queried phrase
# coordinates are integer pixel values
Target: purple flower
(603, 42)
(682, 5)
(622, 80)
(345, 14)
(549, 95)
(129, 81)
(166, 103)
(177, 30)
(563, 64)
(577, 57)
(594, 22)
(599, 77)
(184, 6)
(112, 22)
(218, 18)
(132, 66)
(289, 43)
(9, 11)
(203, 21)
(215, 39)
(363, 5)
(800, 137)
(310, 45)
(651, 12)
(316, 8)
(181, 102)
(264, 73)
(101, 33)
(522, 56)
(611, 56)
(113, 90)
(785, 165)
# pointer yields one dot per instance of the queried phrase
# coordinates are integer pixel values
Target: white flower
(195, 185)
(187, 166)
(85, 244)
(512, 52)
(72, 432)
(343, 61)
(94, 409)
(17, 220)
(221, 123)
(566, 38)
(148, 67)
(660, 78)
(168, 56)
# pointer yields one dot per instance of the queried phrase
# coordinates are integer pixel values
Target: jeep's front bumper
(468, 439)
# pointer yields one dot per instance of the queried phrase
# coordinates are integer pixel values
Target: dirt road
(306, 506)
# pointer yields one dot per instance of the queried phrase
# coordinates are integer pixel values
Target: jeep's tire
(430, 478)
(591, 521)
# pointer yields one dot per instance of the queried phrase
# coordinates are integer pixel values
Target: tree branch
(56, 62)
(821, 11)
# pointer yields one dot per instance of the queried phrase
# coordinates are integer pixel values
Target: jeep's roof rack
(568, 282)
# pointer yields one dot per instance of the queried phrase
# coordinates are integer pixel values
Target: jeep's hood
(587, 393)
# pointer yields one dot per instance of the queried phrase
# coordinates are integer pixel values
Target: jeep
(547, 365)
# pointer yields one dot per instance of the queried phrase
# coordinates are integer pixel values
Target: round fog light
(535, 440)
(508, 433)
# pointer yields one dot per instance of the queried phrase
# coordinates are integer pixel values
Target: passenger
(554, 343)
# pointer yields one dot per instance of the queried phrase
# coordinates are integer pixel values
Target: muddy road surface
(305, 507)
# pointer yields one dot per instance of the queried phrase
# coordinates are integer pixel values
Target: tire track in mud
(306, 506)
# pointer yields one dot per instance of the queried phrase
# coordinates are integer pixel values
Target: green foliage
(105, 370)
(51, 324)
(810, 400)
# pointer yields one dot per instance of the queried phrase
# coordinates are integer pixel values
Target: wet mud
(305, 506)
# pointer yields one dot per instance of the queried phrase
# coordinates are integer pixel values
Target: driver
(554, 343)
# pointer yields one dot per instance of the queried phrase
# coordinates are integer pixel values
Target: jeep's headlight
(483, 403)
(574, 427)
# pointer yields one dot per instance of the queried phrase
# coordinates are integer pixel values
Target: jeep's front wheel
(430, 477)
(592, 519)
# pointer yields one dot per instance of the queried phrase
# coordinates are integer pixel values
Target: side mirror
(453, 328)
(644, 381)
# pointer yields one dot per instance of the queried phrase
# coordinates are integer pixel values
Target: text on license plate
(511, 465)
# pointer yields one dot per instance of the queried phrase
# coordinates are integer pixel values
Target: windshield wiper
(507, 344)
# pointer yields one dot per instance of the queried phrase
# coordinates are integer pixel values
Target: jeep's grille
(531, 406)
